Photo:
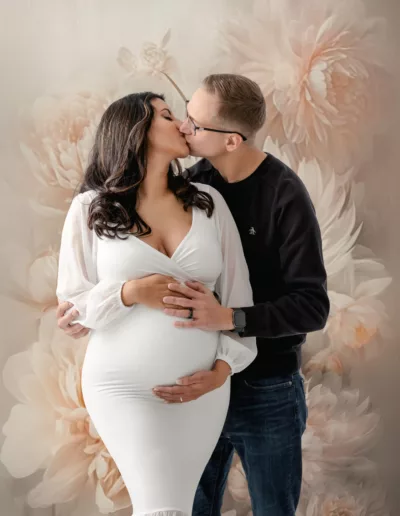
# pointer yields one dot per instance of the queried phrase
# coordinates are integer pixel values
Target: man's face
(202, 110)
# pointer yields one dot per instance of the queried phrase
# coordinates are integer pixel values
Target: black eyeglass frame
(198, 128)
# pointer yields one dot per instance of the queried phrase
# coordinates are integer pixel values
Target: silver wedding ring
(190, 316)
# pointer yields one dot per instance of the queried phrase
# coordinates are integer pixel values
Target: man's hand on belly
(192, 387)
(208, 314)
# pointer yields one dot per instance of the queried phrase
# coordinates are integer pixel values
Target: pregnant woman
(136, 216)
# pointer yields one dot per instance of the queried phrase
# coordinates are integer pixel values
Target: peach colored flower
(355, 281)
(355, 319)
(58, 145)
(32, 281)
(345, 501)
(318, 66)
(335, 213)
(354, 323)
(50, 428)
(336, 216)
(42, 278)
(324, 361)
(336, 506)
(237, 482)
(340, 430)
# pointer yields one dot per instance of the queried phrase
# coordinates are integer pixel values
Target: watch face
(239, 319)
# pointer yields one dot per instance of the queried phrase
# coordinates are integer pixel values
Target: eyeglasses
(196, 128)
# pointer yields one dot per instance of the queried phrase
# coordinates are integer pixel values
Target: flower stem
(176, 87)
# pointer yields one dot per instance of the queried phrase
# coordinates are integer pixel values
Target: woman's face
(164, 136)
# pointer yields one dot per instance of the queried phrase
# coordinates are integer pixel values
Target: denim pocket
(270, 384)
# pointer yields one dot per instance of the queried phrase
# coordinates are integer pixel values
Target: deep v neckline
(181, 243)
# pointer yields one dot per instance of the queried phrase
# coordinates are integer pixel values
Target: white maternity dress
(160, 449)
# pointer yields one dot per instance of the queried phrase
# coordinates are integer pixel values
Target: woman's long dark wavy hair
(118, 165)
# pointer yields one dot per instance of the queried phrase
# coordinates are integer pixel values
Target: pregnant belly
(144, 350)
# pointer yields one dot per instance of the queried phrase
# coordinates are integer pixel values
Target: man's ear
(233, 141)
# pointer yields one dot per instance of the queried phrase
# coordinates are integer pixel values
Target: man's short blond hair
(241, 101)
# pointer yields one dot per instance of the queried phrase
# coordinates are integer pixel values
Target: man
(282, 245)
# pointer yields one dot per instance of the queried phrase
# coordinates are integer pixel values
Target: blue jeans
(265, 422)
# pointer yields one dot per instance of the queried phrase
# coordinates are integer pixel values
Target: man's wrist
(239, 320)
(227, 321)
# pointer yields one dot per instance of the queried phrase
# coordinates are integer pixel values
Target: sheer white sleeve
(233, 285)
(98, 302)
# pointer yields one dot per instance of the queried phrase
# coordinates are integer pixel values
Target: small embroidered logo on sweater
(252, 231)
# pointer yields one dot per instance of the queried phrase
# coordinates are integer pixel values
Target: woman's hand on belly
(148, 291)
(192, 387)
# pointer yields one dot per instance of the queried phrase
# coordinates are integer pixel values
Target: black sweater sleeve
(304, 305)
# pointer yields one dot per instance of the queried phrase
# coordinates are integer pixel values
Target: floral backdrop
(324, 71)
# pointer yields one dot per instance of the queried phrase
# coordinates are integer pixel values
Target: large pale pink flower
(335, 212)
(60, 138)
(50, 428)
(237, 482)
(42, 278)
(318, 65)
(357, 312)
(355, 321)
(323, 361)
(347, 500)
(331, 505)
(340, 430)
(355, 282)
(30, 280)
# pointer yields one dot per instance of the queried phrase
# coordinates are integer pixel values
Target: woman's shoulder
(79, 206)
(84, 198)
(219, 201)
(217, 197)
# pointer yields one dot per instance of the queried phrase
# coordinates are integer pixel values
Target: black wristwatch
(238, 320)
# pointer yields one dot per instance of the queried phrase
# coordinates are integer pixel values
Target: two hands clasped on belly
(175, 299)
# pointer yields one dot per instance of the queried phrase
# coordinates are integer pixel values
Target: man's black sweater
(282, 244)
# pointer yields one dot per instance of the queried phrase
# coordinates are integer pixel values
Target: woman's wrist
(222, 368)
(129, 293)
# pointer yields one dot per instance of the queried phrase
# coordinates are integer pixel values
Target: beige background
(44, 43)
(380, 379)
